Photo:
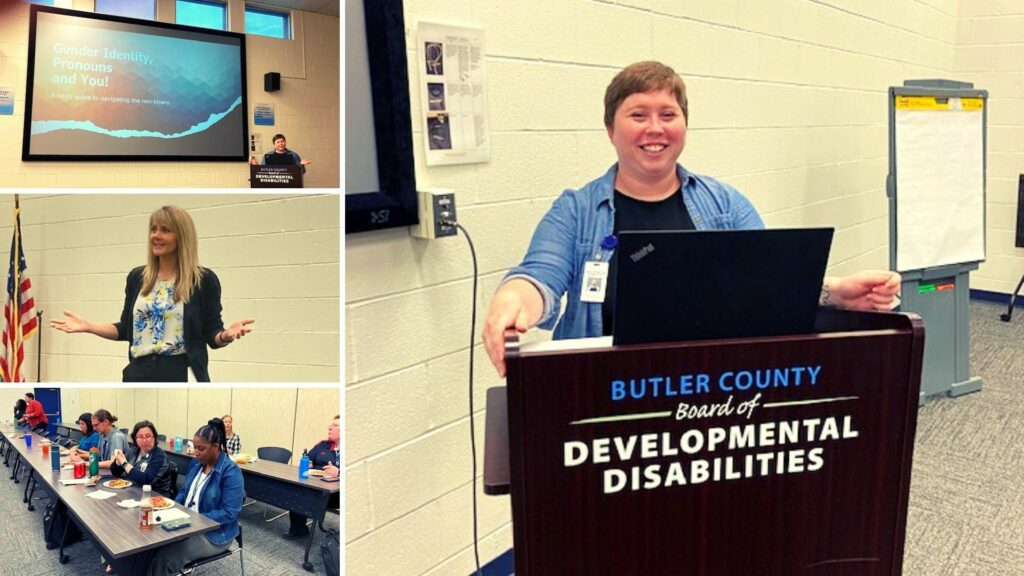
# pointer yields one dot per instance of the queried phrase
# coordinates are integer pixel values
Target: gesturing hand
(867, 290)
(74, 323)
(236, 330)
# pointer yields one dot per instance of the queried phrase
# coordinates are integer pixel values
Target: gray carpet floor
(23, 551)
(966, 513)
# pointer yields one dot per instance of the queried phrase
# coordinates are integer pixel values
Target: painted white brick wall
(788, 103)
(306, 110)
(990, 53)
(276, 256)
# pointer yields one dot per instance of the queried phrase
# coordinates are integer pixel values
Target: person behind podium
(35, 415)
(281, 155)
(214, 488)
(172, 308)
(645, 115)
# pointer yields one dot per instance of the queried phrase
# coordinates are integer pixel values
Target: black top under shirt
(633, 214)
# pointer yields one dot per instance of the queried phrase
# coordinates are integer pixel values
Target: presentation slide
(103, 87)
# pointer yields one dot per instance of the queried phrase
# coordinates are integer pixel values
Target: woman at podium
(645, 115)
(172, 308)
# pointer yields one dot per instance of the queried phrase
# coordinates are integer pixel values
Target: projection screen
(109, 88)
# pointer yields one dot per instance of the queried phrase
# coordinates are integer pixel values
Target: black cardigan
(202, 318)
(157, 473)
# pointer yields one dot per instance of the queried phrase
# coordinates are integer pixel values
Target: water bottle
(304, 466)
(94, 462)
(55, 457)
(146, 509)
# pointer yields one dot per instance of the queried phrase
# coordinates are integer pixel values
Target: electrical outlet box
(436, 205)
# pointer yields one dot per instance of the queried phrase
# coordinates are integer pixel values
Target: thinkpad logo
(639, 254)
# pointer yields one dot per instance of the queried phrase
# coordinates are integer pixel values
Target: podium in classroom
(775, 456)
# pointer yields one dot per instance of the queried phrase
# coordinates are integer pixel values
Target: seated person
(90, 437)
(19, 409)
(34, 414)
(281, 155)
(111, 439)
(326, 455)
(145, 462)
(214, 488)
(234, 441)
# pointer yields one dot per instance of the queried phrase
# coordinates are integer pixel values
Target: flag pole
(16, 306)
(39, 347)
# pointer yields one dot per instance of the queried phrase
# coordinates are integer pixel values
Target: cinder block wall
(989, 52)
(300, 416)
(787, 102)
(276, 257)
(306, 109)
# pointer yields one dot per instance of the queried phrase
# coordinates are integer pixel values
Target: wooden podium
(781, 456)
(275, 176)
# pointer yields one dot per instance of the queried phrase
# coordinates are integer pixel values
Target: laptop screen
(696, 285)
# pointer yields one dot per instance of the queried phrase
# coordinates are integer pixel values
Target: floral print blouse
(158, 322)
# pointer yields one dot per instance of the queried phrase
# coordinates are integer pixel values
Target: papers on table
(101, 495)
(161, 516)
(70, 481)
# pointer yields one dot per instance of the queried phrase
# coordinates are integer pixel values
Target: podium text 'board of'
(275, 176)
(780, 456)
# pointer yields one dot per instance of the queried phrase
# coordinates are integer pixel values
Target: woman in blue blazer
(214, 488)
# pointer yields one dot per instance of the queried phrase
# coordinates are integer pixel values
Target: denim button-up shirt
(570, 234)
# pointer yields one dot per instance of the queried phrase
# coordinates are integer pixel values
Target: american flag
(19, 313)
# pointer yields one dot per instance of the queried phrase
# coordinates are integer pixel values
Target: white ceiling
(327, 7)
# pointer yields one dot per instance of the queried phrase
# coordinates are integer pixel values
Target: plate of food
(118, 483)
(161, 503)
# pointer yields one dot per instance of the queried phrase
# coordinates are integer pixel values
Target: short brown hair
(643, 77)
(145, 424)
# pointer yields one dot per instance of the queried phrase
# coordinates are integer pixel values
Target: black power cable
(472, 428)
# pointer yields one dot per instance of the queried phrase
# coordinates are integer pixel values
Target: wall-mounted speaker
(272, 81)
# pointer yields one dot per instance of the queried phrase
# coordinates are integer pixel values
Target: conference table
(113, 530)
(278, 485)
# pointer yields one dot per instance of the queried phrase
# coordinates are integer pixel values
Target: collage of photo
(171, 345)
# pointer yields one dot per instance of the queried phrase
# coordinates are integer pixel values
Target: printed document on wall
(453, 103)
(940, 182)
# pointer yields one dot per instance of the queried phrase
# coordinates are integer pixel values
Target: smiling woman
(172, 308)
(646, 116)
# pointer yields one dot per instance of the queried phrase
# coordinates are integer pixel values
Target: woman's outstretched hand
(73, 324)
(236, 330)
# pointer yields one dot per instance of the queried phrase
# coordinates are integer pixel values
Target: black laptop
(697, 285)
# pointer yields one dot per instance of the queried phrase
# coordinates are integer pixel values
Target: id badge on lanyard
(595, 273)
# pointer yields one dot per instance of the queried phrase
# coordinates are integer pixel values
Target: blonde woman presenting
(172, 309)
